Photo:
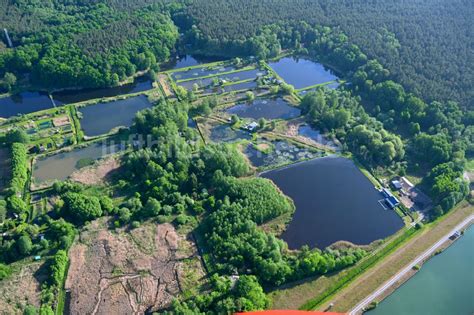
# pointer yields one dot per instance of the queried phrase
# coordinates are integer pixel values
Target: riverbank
(348, 298)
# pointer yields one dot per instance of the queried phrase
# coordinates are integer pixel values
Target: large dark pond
(24, 103)
(265, 108)
(334, 201)
(101, 118)
(301, 72)
(140, 84)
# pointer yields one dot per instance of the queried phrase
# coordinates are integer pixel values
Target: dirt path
(391, 265)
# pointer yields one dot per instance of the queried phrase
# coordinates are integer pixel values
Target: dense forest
(426, 45)
(83, 44)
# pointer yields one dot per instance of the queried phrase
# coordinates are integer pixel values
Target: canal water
(265, 108)
(444, 285)
(334, 201)
(301, 72)
(101, 118)
(25, 103)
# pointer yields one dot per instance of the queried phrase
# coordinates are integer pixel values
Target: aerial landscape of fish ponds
(243, 103)
(322, 187)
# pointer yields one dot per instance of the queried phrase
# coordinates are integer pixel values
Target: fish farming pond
(61, 165)
(273, 153)
(224, 133)
(101, 118)
(140, 84)
(334, 201)
(302, 73)
(24, 103)
(276, 108)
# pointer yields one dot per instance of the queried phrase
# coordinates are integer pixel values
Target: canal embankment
(368, 282)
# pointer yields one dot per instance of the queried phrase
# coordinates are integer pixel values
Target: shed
(396, 184)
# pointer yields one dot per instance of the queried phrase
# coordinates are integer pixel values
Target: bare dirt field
(98, 173)
(4, 168)
(120, 272)
(22, 288)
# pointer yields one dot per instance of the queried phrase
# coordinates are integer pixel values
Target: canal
(444, 284)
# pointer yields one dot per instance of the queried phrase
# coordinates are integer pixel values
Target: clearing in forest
(129, 272)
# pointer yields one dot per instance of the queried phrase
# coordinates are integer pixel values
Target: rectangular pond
(334, 201)
(25, 103)
(276, 108)
(301, 72)
(444, 285)
(101, 118)
(184, 61)
(75, 96)
(200, 72)
(60, 166)
(240, 86)
(224, 133)
(307, 131)
(230, 77)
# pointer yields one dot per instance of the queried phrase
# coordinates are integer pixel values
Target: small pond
(183, 61)
(265, 108)
(280, 152)
(230, 77)
(25, 103)
(101, 118)
(200, 72)
(240, 86)
(313, 134)
(74, 96)
(301, 72)
(224, 133)
(334, 201)
(61, 166)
